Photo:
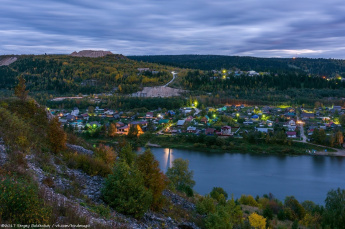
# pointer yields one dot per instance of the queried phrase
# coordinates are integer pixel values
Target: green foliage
(297, 210)
(127, 154)
(67, 74)
(334, 215)
(248, 200)
(56, 135)
(154, 179)
(225, 216)
(90, 165)
(124, 190)
(179, 174)
(20, 203)
(20, 91)
(206, 205)
(218, 193)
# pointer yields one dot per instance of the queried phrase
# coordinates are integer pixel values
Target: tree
(342, 120)
(106, 154)
(112, 130)
(91, 109)
(334, 215)
(56, 135)
(124, 190)
(133, 131)
(257, 221)
(20, 91)
(228, 215)
(179, 174)
(154, 179)
(339, 138)
(126, 154)
(218, 194)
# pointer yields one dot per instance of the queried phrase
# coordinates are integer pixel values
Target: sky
(261, 28)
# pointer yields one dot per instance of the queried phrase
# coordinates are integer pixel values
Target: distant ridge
(91, 53)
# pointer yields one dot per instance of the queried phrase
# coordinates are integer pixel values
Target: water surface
(305, 177)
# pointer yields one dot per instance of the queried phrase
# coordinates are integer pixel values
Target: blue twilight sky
(263, 28)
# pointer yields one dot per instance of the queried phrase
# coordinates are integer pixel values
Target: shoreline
(254, 151)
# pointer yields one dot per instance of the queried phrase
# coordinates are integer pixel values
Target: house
(70, 118)
(119, 124)
(189, 119)
(264, 130)
(204, 120)
(253, 73)
(336, 108)
(225, 131)
(210, 131)
(149, 115)
(163, 121)
(290, 114)
(291, 134)
(180, 122)
(75, 111)
(109, 112)
(305, 116)
(191, 129)
(123, 130)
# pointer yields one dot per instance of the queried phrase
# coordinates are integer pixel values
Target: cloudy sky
(263, 28)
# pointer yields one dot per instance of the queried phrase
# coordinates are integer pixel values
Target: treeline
(118, 102)
(327, 67)
(211, 82)
(61, 74)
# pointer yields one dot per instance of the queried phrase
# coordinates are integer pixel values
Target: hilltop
(91, 53)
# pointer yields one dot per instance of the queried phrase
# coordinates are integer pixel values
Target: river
(305, 177)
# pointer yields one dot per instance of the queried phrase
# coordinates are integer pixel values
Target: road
(174, 76)
(302, 131)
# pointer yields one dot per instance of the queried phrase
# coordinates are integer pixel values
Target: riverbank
(241, 146)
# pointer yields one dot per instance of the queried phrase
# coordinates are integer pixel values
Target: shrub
(248, 200)
(257, 221)
(90, 165)
(124, 191)
(206, 205)
(218, 194)
(20, 203)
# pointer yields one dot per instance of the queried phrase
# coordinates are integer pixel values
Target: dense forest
(62, 74)
(320, 67)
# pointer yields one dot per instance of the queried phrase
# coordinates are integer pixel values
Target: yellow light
(237, 114)
(224, 71)
(263, 116)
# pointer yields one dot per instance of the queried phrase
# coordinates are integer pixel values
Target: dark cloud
(134, 27)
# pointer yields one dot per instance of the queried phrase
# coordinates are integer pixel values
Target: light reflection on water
(305, 177)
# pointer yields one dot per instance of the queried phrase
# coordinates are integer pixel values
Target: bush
(219, 194)
(90, 165)
(206, 205)
(124, 191)
(20, 203)
(248, 200)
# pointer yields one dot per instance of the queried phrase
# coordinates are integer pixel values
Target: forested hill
(63, 74)
(327, 67)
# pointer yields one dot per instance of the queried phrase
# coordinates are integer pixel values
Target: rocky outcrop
(91, 53)
(79, 149)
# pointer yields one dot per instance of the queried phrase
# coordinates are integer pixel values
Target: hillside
(321, 67)
(63, 74)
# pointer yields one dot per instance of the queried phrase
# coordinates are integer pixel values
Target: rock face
(91, 53)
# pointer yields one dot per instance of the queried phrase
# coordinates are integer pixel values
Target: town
(280, 124)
